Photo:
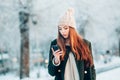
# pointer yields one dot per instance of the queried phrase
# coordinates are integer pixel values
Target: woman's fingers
(57, 52)
(60, 53)
(52, 49)
(54, 52)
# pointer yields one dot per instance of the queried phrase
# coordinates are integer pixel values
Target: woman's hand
(57, 55)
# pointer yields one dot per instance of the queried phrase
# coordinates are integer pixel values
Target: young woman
(73, 59)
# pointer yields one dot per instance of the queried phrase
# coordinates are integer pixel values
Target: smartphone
(55, 47)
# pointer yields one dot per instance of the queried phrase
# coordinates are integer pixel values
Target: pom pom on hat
(68, 18)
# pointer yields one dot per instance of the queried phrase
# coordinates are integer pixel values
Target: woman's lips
(64, 34)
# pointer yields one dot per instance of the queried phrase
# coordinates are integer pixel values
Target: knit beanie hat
(68, 18)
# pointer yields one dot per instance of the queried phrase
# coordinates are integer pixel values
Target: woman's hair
(78, 46)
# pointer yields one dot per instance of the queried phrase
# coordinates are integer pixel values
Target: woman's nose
(63, 31)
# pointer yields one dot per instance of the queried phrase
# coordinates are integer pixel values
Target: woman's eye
(65, 28)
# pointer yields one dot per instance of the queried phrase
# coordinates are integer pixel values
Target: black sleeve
(52, 69)
(93, 73)
(90, 72)
(92, 68)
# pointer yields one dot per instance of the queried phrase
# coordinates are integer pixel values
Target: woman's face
(64, 31)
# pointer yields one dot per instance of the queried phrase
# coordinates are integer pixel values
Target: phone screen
(55, 47)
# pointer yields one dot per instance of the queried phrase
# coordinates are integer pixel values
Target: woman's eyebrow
(58, 26)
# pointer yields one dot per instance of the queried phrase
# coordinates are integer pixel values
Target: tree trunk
(24, 58)
(119, 46)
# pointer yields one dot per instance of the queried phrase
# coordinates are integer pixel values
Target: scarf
(71, 72)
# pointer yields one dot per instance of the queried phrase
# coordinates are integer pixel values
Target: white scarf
(71, 72)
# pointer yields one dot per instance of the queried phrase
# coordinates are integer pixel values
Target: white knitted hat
(68, 18)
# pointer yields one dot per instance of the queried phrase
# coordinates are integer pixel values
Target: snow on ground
(102, 67)
(109, 75)
(114, 61)
(41, 73)
(36, 74)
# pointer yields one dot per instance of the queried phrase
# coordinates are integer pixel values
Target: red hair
(78, 46)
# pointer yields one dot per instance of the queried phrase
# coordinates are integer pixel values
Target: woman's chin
(65, 37)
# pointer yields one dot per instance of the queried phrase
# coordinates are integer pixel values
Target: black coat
(58, 71)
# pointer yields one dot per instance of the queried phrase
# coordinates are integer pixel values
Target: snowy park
(111, 72)
(27, 28)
